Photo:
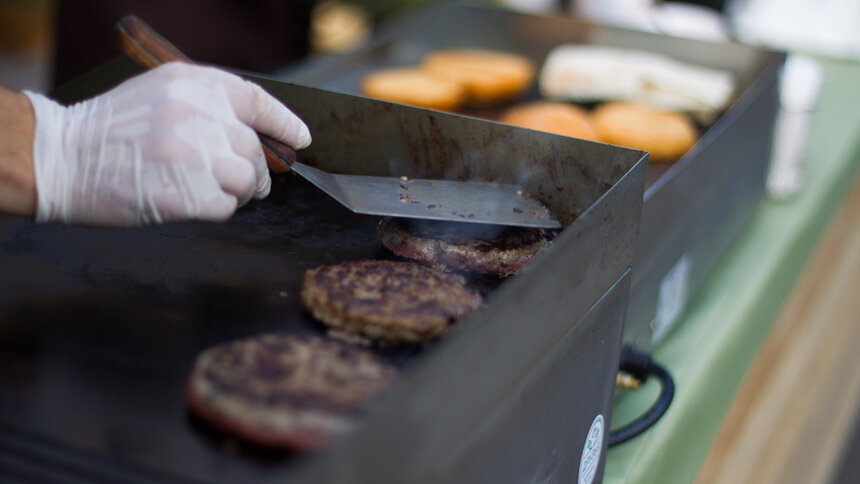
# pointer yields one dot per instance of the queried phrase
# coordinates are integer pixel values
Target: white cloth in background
(669, 18)
(822, 27)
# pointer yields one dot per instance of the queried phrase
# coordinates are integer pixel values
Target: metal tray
(99, 327)
(693, 209)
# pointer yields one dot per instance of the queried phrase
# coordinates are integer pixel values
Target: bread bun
(410, 85)
(666, 135)
(489, 77)
(554, 117)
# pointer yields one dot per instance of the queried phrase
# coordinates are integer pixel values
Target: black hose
(640, 365)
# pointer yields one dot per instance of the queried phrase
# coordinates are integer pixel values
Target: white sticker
(671, 298)
(591, 451)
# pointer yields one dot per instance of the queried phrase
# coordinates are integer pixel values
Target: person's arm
(17, 178)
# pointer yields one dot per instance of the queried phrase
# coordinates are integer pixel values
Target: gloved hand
(174, 143)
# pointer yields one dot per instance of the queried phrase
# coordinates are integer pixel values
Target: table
(736, 320)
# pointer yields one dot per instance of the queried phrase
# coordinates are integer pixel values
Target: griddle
(100, 326)
(694, 208)
(115, 317)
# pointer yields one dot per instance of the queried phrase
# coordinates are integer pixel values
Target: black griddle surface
(99, 328)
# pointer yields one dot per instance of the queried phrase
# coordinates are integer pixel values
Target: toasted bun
(415, 87)
(665, 135)
(554, 117)
(488, 76)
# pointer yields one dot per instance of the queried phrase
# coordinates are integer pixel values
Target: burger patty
(501, 251)
(388, 301)
(287, 391)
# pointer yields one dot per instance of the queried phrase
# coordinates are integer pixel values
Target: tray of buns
(703, 111)
(300, 342)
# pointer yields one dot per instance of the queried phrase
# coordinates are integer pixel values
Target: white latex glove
(174, 143)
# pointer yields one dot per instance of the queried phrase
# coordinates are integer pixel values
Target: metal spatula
(462, 201)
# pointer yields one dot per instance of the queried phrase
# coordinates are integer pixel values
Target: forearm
(17, 176)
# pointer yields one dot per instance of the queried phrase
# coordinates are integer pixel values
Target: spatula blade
(447, 200)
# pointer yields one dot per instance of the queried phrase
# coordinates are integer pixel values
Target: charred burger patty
(502, 251)
(385, 300)
(286, 391)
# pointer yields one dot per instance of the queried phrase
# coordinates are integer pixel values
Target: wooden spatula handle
(149, 49)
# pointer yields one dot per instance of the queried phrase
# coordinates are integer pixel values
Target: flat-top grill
(99, 327)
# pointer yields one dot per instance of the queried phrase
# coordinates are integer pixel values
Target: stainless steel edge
(692, 215)
(541, 430)
(451, 390)
(357, 135)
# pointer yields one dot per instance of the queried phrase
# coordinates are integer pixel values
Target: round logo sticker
(591, 451)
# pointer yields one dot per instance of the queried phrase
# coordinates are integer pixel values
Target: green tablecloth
(726, 321)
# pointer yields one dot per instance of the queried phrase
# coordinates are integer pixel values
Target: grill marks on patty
(282, 390)
(501, 251)
(301, 392)
(387, 300)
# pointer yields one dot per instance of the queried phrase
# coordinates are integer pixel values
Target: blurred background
(44, 43)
